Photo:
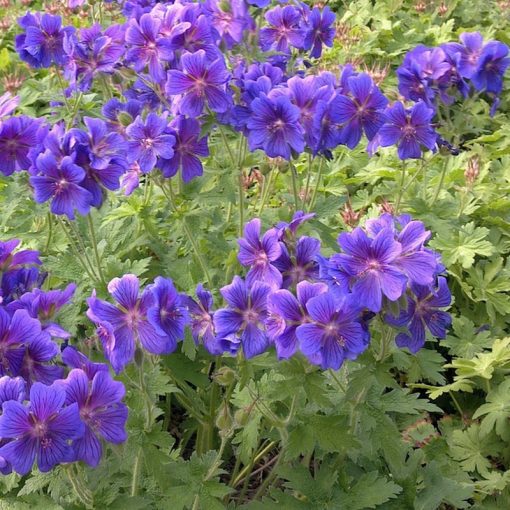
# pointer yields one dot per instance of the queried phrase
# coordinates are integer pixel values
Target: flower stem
(50, 233)
(441, 182)
(212, 470)
(63, 89)
(265, 193)
(84, 495)
(82, 246)
(457, 405)
(74, 248)
(96, 251)
(188, 233)
(137, 470)
(314, 194)
(293, 174)
(400, 187)
(241, 202)
(308, 177)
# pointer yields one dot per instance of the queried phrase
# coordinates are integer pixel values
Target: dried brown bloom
(472, 170)
(443, 9)
(349, 215)
(386, 207)
(420, 7)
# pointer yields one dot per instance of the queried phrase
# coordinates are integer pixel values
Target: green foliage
(392, 431)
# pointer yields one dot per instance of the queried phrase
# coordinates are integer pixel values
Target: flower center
(277, 125)
(148, 143)
(40, 429)
(408, 130)
(250, 316)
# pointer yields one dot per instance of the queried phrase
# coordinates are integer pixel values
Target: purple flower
(119, 327)
(187, 149)
(16, 332)
(119, 115)
(470, 50)
(245, 315)
(286, 314)
(62, 184)
(274, 127)
(103, 147)
(361, 112)
(289, 229)
(10, 260)
(12, 388)
(44, 305)
(147, 46)
(306, 93)
(418, 264)
(230, 19)
(370, 266)
(201, 320)
(17, 136)
(198, 82)
(75, 359)
(302, 264)
(409, 130)
(8, 104)
(40, 430)
(259, 3)
(335, 332)
(42, 44)
(284, 29)
(168, 315)
(149, 141)
(17, 282)
(131, 179)
(491, 67)
(36, 366)
(320, 31)
(93, 53)
(423, 309)
(99, 400)
(258, 254)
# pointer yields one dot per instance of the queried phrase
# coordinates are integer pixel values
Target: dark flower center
(277, 125)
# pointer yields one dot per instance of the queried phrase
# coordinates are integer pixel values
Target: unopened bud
(124, 118)
(225, 376)
(224, 419)
(443, 9)
(241, 417)
(139, 357)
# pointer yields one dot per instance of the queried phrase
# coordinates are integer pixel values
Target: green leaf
(466, 446)
(404, 402)
(496, 411)
(369, 491)
(463, 246)
(439, 487)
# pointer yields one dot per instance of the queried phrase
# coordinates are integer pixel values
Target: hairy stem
(93, 239)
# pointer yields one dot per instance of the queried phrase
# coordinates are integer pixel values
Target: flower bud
(124, 118)
(224, 420)
(242, 416)
(225, 376)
